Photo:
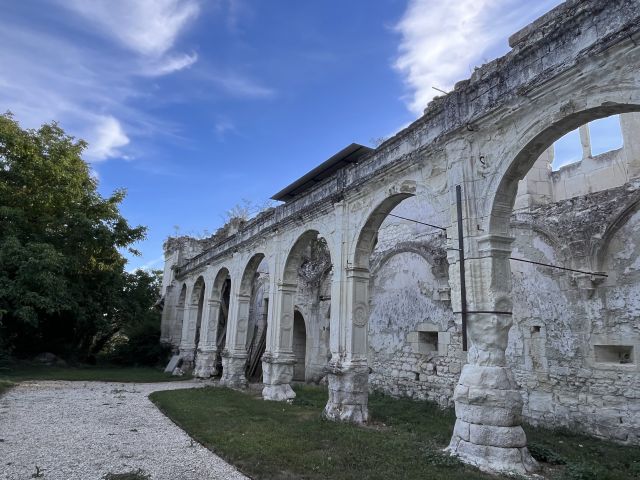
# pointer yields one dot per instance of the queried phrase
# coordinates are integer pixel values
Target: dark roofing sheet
(350, 154)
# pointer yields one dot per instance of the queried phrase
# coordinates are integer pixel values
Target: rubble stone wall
(575, 343)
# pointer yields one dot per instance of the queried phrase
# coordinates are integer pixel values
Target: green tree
(134, 338)
(61, 268)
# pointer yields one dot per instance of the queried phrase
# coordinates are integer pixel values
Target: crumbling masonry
(332, 286)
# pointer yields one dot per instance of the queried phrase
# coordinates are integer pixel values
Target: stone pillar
(585, 141)
(187, 342)
(234, 356)
(630, 126)
(278, 360)
(536, 188)
(207, 351)
(488, 431)
(348, 372)
(177, 327)
(168, 318)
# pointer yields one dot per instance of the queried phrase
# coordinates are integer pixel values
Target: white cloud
(240, 86)
(170, 64)
(98, 91)
(442, 41)
(105, 140)
(149, 265)
(149, 27)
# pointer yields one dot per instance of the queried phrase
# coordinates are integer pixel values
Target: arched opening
(532, 155)
(198, 302)
(305, 283)
(411, 331)
(255, 288)
(566, 324)
(309, 270)
(180, 313)
(220, 296)
(299, 346)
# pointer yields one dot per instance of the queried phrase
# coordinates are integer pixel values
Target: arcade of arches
(348, 283)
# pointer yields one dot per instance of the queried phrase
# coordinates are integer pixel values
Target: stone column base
(348, 393)
(488, 433)
(233, 369)
(186, 363)
(205, 364)
(277, 373)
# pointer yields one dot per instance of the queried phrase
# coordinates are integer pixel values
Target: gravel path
(84, 430)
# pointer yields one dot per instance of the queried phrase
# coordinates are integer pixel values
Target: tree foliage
(63, 287)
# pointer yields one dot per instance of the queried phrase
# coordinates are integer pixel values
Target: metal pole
(463, 283)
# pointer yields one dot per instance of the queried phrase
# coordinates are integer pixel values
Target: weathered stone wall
(571, 332)
(577, 64)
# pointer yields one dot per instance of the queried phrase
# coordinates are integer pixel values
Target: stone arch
(293, 262)
(180, 312)
(490, 293)
(219, 280)
(436, 257)
(296, 253)
(534, 142)
(278, 362)
(197, 301)
(255, 325)
(249, 272)
(219, 314)
(368, 233)
(601, 249)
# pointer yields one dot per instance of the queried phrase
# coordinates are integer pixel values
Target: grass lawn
(5, 385)
(271, 440)
(25, 371)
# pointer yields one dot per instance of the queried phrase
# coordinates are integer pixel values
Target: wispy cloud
(442, 41)
(238, 85)
(92, 69)
(149, 27)
(170, 64)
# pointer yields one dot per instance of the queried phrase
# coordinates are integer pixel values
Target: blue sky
(195, 105)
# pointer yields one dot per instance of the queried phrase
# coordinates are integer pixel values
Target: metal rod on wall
(463, 283)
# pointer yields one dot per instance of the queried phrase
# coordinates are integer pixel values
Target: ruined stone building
(351, 281)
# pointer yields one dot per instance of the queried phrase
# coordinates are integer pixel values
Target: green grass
(270, 440)
(5, 385)
(23, 371)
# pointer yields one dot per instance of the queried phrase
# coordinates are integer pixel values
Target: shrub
(543, 453)
(140, 345)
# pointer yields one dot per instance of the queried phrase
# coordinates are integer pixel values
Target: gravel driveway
(84, 430)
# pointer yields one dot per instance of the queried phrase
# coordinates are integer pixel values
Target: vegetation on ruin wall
(63, 287)
(272, 440)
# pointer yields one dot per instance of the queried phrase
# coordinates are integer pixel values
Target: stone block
(497, 459)
(173, 363)
(497, 436)
(499, 378)
(461, 430)
(484, 415)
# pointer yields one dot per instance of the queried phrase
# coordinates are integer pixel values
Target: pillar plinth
(277, 373)
(348, 393)
(187, 358)
(205, 366)
(233, 369)
(488, 431)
